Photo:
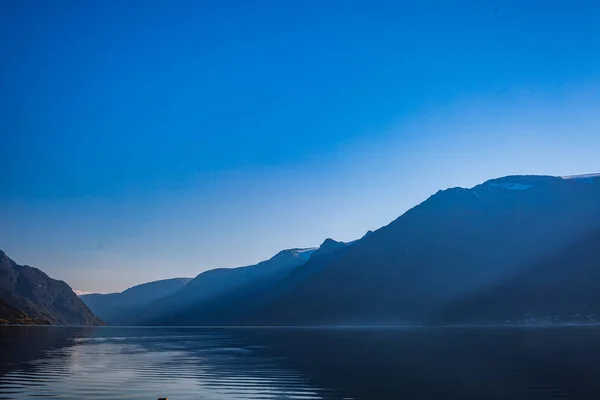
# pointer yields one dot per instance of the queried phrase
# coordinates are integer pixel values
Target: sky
(144, 140)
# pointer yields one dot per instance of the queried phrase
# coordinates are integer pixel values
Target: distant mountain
(183, 307)
(244, 304)
(257, 306)
(27, 295)
(121, 308)
(456, 244)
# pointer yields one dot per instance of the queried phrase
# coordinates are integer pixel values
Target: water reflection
(142, 364)
(195, 363)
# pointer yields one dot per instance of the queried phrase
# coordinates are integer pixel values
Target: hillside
(121, 308)
(28, 294)
(457, 243)
(560, 288)
(186, 306)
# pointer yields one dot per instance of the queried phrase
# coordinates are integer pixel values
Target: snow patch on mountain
(305, 253)
(81, 292)
(512, 185)
(583, 176)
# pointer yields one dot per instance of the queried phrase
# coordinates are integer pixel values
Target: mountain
(456, 244)
(120, 308)
(518, 249)
(27, 295)
(182, 308)
(559, 288)
(256, 305)
(243, 305)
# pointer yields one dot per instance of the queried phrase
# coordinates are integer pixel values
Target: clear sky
(143, 140)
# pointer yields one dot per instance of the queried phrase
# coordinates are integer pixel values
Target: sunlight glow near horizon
(116, 175)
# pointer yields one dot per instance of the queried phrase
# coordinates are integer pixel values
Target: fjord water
(309, 363)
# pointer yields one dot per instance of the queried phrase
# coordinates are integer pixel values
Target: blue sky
(149, 139)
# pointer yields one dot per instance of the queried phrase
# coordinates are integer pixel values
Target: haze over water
(208, 363)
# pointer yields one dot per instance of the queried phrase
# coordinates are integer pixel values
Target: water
(213, 364)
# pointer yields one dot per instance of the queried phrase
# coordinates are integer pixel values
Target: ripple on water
(182, 366)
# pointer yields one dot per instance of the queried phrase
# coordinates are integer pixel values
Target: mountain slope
(562, 287)
(121, 308)
(12, 316)
(28, 293)
(179, 307)
(452, 245)
(270, 301)
(243, 304)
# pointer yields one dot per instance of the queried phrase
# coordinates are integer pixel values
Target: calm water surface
(197, 363)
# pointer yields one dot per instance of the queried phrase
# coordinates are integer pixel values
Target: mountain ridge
(216, 282)
(121, 307)
(453, 245)
(456, 226)
(28, 294)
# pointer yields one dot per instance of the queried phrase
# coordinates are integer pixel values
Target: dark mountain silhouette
(271, 299)
(246, 302)
(179, 307)
(27, 295)
(455, 244)
(121, 308)
(560, 288)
